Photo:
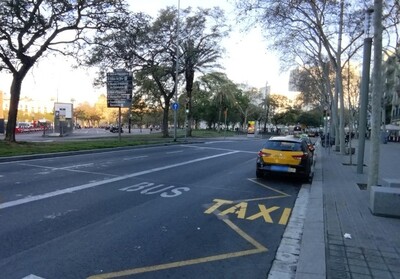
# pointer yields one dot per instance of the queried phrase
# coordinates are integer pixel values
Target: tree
(139, 109)
(149, 48)
(310, 118)
(309, 81)
(88, 114)
(31, 29)
(221, 92)
(315, 29)
(278, 103)
(200, 36)
(391, 91)
(145, 47)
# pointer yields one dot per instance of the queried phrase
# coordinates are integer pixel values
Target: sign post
(119, 92)
(63, 118)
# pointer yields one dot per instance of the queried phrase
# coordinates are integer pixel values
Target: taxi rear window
(283, 145)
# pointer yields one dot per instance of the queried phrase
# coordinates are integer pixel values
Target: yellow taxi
(285, 154)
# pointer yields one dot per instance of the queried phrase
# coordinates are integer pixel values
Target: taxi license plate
(282, 169)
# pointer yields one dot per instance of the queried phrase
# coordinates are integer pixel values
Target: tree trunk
(339, 81)
(189, 89)
(341, 112)
(165, 122)
(15, 92)
(373, 172)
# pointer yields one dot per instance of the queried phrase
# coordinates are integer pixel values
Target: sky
(246, 61)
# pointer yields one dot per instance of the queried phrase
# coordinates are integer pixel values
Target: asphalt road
(179, 211)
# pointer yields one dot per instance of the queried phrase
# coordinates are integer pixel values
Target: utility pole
(362, 124)
(373, 172)
(176, 71)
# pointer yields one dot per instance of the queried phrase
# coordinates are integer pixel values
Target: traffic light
(187, 107)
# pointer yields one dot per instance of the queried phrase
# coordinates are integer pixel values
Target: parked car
(286, 155)
(114, 129)
(308, 141)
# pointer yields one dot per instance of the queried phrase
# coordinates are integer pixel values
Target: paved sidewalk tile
(358, 243)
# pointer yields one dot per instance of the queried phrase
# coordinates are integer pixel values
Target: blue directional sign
(175, 106)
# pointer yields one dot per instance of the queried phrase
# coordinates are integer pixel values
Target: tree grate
(362, 186)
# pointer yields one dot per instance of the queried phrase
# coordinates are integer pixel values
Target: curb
(301, 253)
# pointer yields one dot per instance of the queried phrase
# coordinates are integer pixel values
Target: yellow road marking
(264, 212)
(259, 248)
(261, 199)
(176, 264)
(285, 216)
(270, 188)
(282, 194)
(249, 239)
(239, 210)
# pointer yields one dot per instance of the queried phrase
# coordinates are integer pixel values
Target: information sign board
(119, 89)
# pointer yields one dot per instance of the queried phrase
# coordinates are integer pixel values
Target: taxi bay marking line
(282, 194)
(270, 188)
(259, 248)
(106, 181)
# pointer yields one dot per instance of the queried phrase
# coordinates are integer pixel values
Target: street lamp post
(364, 89)
(176, 70)
(326, 127)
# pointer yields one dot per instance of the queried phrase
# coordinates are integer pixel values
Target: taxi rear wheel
(259, 174)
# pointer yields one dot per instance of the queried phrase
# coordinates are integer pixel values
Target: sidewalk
(336, 206)
(374, 248)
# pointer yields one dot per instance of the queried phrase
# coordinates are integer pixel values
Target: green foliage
(310, 118)
(8, 149)
(31, 29)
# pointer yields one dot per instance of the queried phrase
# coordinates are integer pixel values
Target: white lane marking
(136, 157)
(211, 142)
(216, 148)
(102, 182)
(173, 152)
(32, 276)
(78, 166)
(68, 168)
(63, 168)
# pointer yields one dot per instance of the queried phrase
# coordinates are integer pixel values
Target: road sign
(62, 114)
(175, 106)
(119, 89)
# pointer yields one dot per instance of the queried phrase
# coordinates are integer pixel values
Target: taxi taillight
(263, 154)
(300, 156)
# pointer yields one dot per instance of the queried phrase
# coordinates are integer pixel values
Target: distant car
(312, 134)
(114, 129)
(286, 155)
